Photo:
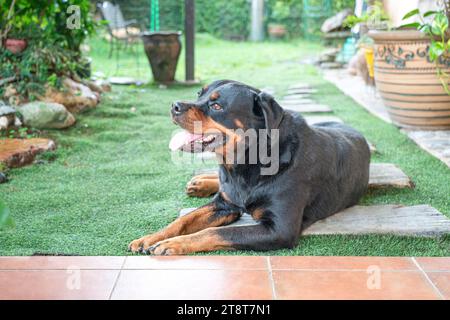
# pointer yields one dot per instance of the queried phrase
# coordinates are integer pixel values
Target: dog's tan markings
(214, 96)
(238, 123)
(203, 241)
(257, 214)
(225, 197)
(203, 185)
(197, 220)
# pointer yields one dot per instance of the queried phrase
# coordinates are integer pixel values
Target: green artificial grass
(112, 179)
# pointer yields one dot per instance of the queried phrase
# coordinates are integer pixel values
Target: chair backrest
(112, 14)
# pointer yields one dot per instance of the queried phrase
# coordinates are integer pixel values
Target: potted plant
(11, 42)
(162, 48)
(276, 29)
(411, 70)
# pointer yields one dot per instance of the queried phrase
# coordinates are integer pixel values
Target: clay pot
(276, 31)
(162, 50)
(15, 45)
(407, 80)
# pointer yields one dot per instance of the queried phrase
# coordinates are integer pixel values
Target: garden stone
(76, 97)
(46, 115)
(3, 178)
(15, 153)
(7, 117)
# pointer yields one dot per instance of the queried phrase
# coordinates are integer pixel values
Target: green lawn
(112, 179)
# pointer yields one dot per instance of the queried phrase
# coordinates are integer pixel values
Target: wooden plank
(300, 86)
(307, 108)
(300, 91)
(296, 100)
(437, 143)
(311, 120)
(421, 220)
(388, 175)
(382, 175)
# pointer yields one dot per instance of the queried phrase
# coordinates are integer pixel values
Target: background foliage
(229, 19)
(53, 49)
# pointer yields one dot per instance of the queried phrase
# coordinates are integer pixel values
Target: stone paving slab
(421, 220)
(307, 108)
(435, 142)
(15, 153)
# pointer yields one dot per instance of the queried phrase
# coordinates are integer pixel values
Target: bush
(53, 49)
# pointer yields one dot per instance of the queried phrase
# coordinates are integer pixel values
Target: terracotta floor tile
(351, 285)
(342, 263)
(62, 263)
(434, 264)
(192, 284)
(442, 282)
(199, 263)
(57, 284)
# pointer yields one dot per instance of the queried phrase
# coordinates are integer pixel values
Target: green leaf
(430, 13)
(411, 14)
(6, 221)
(414, 25)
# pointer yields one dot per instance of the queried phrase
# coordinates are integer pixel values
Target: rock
(76, 97)
(103, 84)
(3, 178)
(16, 153)
(335, 22)
(46, 115)
(7, 117)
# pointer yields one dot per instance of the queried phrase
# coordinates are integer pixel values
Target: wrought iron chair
(120, 31)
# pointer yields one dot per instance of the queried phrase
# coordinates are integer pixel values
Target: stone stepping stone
(388, 175)
(382, 175)
(300, 91)
(15, 153)
(311, 120)
(437, 143)
(421, 220)
(307, 108)
(300, 86)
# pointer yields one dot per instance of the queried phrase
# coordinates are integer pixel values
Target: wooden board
(388, 175)
(382, 175)
(295, 91)
(307, 108)
(311, 120)
(421, 220)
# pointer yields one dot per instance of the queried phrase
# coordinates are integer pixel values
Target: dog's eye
(216, 106)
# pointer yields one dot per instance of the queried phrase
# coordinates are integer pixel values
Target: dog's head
(224, 106)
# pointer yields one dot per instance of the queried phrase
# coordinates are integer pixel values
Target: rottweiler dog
(319, 170)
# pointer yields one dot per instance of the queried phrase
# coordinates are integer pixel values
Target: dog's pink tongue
(182, 138)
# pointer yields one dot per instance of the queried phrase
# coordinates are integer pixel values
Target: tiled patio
(224, 277)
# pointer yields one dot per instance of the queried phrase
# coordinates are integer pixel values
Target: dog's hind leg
(203, 185)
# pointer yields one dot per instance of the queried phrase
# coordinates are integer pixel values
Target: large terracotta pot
(162, 50)
(408, 82)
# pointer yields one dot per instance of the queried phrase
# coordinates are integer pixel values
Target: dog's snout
(178, 108)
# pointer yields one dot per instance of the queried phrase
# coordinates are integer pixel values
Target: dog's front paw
(142, 245)
(167, 248)
(200, 187)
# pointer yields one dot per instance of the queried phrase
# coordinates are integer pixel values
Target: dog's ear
(271, 110)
